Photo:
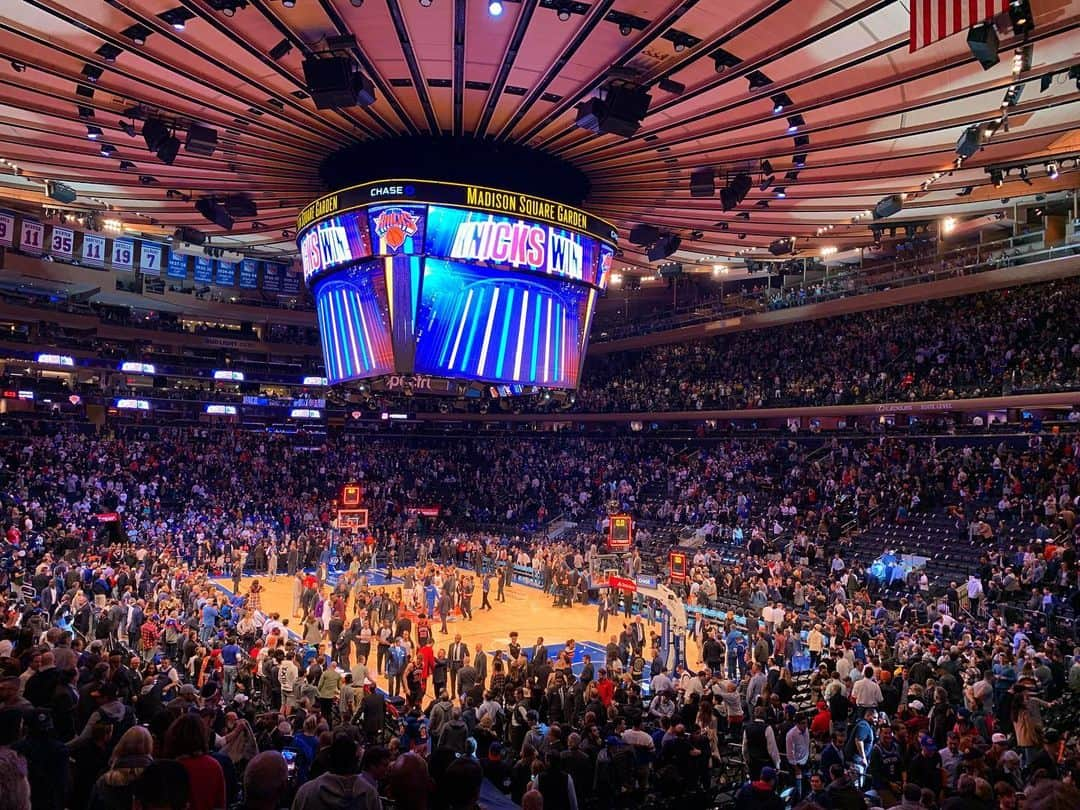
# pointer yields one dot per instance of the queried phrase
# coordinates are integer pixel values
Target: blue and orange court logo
(394, 225)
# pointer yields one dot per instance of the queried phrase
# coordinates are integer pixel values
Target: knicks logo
(394, 225)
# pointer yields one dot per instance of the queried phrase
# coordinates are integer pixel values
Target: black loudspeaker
(969, 142)
(702, 183)
(333, 82)
(887, 206)
(214, 212)
(60, 192)
(644, 234)
(201, 140)
(983, 41)
(192, 235)
(780, 247)
(240, 206)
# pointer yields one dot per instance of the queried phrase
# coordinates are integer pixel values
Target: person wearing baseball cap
(925, 769)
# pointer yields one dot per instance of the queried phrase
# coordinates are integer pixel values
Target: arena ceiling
(872, 118)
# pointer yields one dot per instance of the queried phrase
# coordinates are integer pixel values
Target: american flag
(933, 20)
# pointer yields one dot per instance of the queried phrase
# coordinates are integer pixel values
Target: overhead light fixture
(126, 165)
(109, 52)
(129, 129)
(288, 3)
(671, 86)
(85, 112)
(136, 33)
(177, 17)
(997, 177)
(160, 140)
(969, 142)
(93, 133)
(18, 66)
(799, 160)
(625, 30)
(563, 11)
(358, 3)
(280, 50)
(495, 8)
(780, 101)
(780, 192)
(108, 150)
(794, 122)
(92, 73)
(722, 60)
(1020, 17)
(227, 7)
(757, 79)
(1052, 170)
(766, 181)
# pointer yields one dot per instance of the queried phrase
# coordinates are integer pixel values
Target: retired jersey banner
(7, 229)
(62, 243)
(123, 254)
(933, 20)
(31, 237)
(93, 249)
(150, 258)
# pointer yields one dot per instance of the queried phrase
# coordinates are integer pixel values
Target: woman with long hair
(186, 742)
(133, 752)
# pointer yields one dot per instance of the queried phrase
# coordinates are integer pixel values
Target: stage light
(18, 66)
(137, 33)
(780, 101)
(495, 8)
(288, 3)
(948, 225)
(109, 52)
(757, 79)
(280, 50)
(800, 160)
(108, 150)
(93, 133)
(92, 73)
(780, 192)
(1052, 171)
(563, 12)
(794, 122)
(625, 30)
(1020, 17)
(176, 17)
(997, 177)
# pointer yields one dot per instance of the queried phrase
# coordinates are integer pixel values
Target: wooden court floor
(527, 610)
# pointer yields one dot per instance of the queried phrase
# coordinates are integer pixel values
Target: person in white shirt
(797, 747)
(866, 693)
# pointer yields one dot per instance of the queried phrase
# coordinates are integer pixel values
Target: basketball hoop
(352, 519)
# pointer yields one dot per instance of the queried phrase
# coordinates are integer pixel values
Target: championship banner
(150, 258)
(933, 20)
(204, 269)
(225, 274)
(177, 265)
(93, 249)
(31, 237)
(62, 243)
(7, 229)
(249, 274)
(123, 254)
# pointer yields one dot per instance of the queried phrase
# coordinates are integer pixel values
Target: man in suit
(467, 679)
(480, 662)
(458, 655)
(134, 622)
(373, 714)
(446, 604)
(539, 653)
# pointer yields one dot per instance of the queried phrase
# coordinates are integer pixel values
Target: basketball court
(527, 610)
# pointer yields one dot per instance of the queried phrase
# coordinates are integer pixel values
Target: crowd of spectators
(987, 344)
(127, 676)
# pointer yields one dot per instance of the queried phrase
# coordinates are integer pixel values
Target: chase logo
(394, 225)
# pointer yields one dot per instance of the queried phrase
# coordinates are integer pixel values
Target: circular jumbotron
(455, 281)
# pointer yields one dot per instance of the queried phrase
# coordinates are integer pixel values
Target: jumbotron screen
(453, 281)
